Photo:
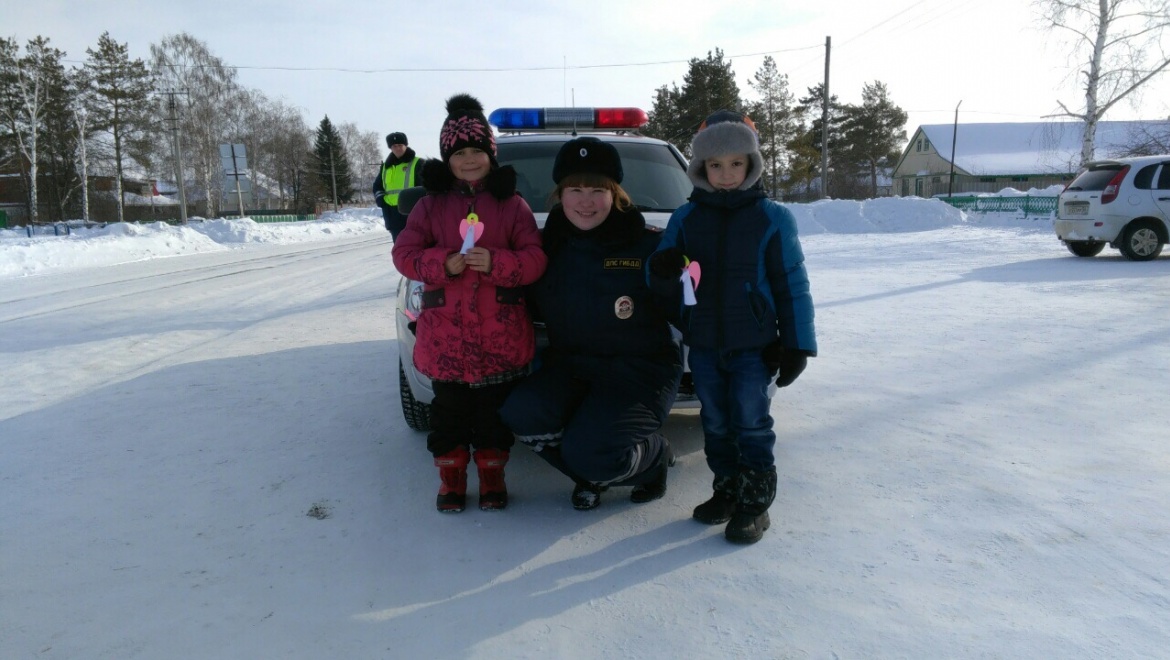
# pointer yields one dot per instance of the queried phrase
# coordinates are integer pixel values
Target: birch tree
(182, 63)
(291, 148)
(1120, 45)
(81, 121)
(24, 91)
(364, 152)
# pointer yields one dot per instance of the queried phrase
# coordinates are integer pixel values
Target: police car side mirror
(408, 197)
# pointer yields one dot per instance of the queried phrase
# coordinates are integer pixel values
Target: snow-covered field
(975, 465)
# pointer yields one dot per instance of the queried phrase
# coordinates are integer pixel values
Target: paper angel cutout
(690, 281)
(470, 229)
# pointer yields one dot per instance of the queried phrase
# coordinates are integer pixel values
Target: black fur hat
(587, 155)
(396, 138)
(464, 127)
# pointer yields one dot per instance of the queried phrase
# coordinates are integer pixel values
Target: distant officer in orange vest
(398, 173)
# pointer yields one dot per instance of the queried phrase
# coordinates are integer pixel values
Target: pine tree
(331, 163)
(775, 119)
(806, 146)
(119, 105)
(708, 86)
(59, 157)
(874, 132)
(664, 117)
(11, 114)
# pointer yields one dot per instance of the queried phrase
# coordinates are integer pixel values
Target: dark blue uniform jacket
(593, 297)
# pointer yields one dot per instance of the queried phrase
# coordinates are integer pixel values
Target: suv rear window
(1096, 178)
(654, 178)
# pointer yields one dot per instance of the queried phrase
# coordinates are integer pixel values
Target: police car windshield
(653, 176)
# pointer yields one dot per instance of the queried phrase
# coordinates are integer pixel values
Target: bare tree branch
(1120, 35)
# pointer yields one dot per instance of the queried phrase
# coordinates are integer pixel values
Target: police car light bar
(520, 119)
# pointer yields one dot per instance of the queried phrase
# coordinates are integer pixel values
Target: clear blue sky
(388, 66)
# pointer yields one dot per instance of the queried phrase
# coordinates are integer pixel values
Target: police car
(654, 176)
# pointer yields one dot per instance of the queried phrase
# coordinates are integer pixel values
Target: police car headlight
(412, 305)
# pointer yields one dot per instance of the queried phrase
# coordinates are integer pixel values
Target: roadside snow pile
(113, 244)
(123, 242)
(1050, 191)
(882, 215)
(349, 222)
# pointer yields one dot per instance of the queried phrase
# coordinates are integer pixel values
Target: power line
(878, 25)
(560, 67)
(906, 21)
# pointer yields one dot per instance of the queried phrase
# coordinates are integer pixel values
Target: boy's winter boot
(493, 493)
(453, 480)
(719, 508)
(750, 520)
(656, 486)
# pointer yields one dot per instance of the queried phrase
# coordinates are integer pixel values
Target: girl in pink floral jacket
(474, 244)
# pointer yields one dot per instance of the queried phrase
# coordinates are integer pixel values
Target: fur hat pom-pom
(462, 103)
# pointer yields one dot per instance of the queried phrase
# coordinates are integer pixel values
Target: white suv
(654, 176)
(1123, 202)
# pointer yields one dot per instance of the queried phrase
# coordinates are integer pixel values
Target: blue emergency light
(536, 119)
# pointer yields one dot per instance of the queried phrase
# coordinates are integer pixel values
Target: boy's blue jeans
(732, 387)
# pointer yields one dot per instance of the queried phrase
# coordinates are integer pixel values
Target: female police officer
(607, 380)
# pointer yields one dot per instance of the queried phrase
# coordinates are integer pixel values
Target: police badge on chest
(623, 307)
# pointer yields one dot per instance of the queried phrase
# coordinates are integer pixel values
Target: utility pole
(825, 124)
(177, 150)
(954, 139)
(237, 174)
(333, 175)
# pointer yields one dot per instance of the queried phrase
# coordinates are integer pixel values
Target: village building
(989, 157)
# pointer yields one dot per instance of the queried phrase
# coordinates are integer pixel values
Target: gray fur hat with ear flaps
(725, 133)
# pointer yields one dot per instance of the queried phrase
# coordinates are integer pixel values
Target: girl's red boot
(493, 493)
(453, 480)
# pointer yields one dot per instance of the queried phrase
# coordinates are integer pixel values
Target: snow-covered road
(975, 466)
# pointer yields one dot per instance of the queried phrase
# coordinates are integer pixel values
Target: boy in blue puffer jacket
(749, 321)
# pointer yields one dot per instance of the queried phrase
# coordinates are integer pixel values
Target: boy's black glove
(668, 262)
(785, 362)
